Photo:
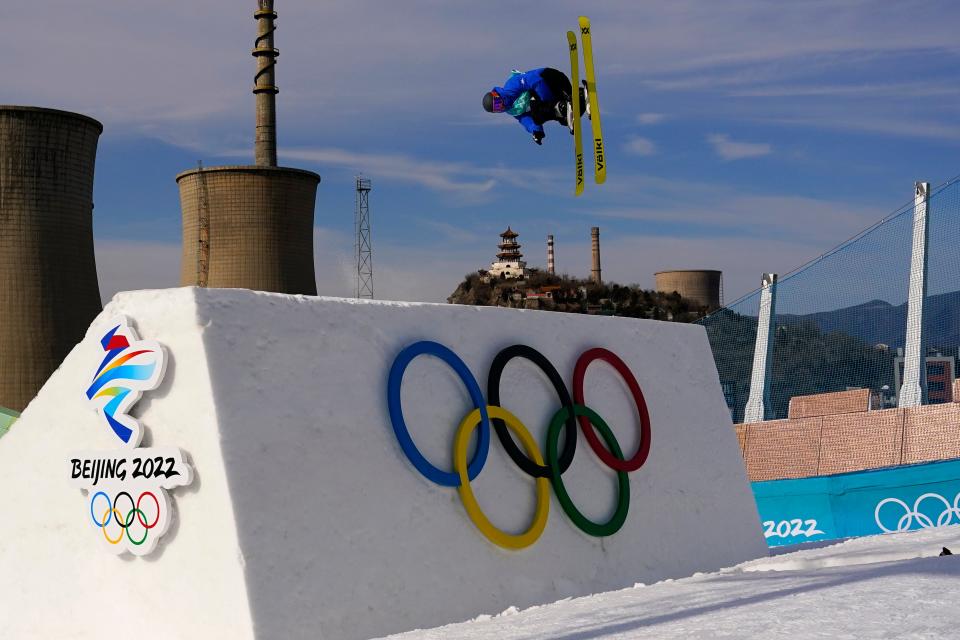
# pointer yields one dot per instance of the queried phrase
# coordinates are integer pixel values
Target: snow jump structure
(314, 436)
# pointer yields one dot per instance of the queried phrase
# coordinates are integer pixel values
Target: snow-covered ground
(892, 586)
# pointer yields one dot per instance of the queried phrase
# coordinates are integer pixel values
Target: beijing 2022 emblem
(127, 503)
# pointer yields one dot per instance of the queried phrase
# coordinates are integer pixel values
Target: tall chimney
(251, 226)
(595, 249)
(264, 86)
(550, 265)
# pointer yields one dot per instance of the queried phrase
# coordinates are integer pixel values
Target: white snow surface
(890, 586)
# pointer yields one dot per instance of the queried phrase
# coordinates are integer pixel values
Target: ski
(575, 102)
(600, 162)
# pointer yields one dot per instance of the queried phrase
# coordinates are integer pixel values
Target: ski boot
(564, 111)
(585, 100)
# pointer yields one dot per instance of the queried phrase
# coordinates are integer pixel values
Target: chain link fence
(840, 320)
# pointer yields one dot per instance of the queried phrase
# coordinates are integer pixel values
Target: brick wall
(783, 448)
(855, 441)
(741, 430)
(826, 404)
(849, 440)
(932, 433)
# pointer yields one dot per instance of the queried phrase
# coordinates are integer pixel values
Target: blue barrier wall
(859, 504)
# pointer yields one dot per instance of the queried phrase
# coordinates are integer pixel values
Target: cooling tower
(258, 228)
(48, 275)
(701, 287)
(251, 227)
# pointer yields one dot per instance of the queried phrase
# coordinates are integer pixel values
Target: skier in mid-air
(534, 98)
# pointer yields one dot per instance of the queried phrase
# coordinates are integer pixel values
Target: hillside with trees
(548, 292)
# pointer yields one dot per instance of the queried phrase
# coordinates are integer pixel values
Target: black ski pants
(542, 111)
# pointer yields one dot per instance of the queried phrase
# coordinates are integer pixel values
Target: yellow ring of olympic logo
(474, 511)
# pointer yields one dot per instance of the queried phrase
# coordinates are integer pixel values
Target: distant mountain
(877, 321)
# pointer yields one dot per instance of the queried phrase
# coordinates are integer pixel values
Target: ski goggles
(498, 105)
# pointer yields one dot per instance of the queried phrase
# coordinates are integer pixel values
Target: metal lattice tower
(363, 248)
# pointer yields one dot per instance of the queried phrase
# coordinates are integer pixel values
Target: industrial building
(595, 274)
(48, 276)
(702, 287)
(251, 227)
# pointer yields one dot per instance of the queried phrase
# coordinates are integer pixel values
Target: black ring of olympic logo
(131, 515)
(516, 454)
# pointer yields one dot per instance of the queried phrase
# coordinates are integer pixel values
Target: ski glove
(538, 137)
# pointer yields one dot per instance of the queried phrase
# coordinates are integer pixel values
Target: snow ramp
(323, 444)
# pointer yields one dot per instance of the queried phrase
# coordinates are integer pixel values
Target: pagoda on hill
(509, 264)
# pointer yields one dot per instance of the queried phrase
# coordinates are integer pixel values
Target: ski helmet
(492, 102)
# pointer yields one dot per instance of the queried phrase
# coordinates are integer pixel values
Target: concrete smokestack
(595, 250)
(550, 264)
(264, 86)
(251, 227)
(48, 275)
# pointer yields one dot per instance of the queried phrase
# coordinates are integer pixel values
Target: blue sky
(744, 136)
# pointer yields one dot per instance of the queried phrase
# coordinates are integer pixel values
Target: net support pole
(913, 391)
(758, 403)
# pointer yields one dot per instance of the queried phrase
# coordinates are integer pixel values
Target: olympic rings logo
(109, 512)
(528, 458)
(906, 520)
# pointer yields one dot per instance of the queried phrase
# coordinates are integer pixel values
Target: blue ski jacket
(516, 90)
